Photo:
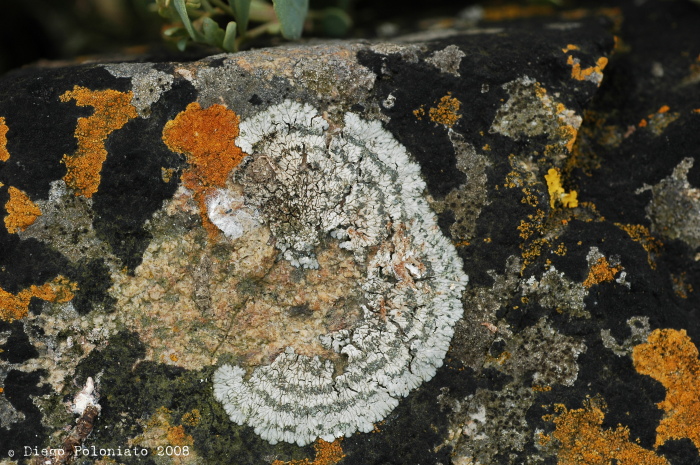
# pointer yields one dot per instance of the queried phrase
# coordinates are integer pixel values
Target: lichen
(447, 60)
(639, 332)
(327, 453)
(447, 111)
(21, 211)
(206, 137)
(600, 270)
(670, 357)
(147, 84)
(113, 110)
(4, 154)
(580, 439)
(356, 188)
(16, 306)
(592, 74)
(674, 210)
(557, 194)
(641, 234)
(555, 291)
(159, 432)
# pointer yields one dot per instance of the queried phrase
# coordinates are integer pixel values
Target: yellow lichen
(16, 306)
(670, 357)
(207, 137)
(4, 154)
(21, 211)
(112, 111)
(641, 234)
(556, 191)
(581, 440)
(602, 271)
(446, 111)
(327, 453)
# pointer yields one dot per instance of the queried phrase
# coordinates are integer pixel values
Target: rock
(262, 257)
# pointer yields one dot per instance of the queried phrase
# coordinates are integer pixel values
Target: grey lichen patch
(494, 423)
(447, 60)
(555, 291)
(147, 84)
(530, 111)
(63, 338)
(355, 194)
(674, 209)
(328, 76)
(65, 224)
(549, 355)
(472, 335)
(639, 331)
(467, 200)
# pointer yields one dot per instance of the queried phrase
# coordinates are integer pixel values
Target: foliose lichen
(355, 187)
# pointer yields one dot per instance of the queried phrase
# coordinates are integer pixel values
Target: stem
(224, 7)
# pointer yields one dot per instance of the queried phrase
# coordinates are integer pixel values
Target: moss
(670, 357)
(21, 211)
(112, 111)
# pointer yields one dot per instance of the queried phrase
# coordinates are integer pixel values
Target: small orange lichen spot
(166, 174)
(593, 73)
(21, 211)
(538, 388)
(582, 440)
(570, 47)
(487, 240)
(419, 113)
(696, 110)
(112, 111)
(446, 111)
(556, 191)
(207, 137)
(4, 154)
(327, 453)
(670, 357)
(462, 244)
(601, 272)
(486, 148)
(177, 436)
(641, 234)
(192, 418)
(16, 306)
(664, 109)
(642, 123)
(173, 357)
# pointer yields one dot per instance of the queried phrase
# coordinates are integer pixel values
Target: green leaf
(213, 34)
(335, 22)
(291, 14)
(241, 9)
(229, 43)
(182, 44)
(182, 12)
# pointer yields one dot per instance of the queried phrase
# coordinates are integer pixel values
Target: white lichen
(86, 397)
(356, 186)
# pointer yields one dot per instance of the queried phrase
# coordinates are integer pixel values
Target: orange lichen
(663, 109)
(593, 73)
(641, 234)
(670, 357)
(506, 12)
(16, 306)
(192, 418)
(570, 47)
(207, 138)
(327, 453)
(21, 211)
(642, 123)
(446, 111)
(680, 287)
(556, 191)
(4, 154)
(581, 440)
(602, 271)
(112, 111)
(419, 113)
(177, 436)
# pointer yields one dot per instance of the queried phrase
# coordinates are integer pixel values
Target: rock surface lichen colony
(262, 258)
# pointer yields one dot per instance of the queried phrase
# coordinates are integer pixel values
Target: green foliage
(201, 21)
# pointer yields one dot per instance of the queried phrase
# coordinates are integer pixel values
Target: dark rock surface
(558, 154)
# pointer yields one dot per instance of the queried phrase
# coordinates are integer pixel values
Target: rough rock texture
(182, 240)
